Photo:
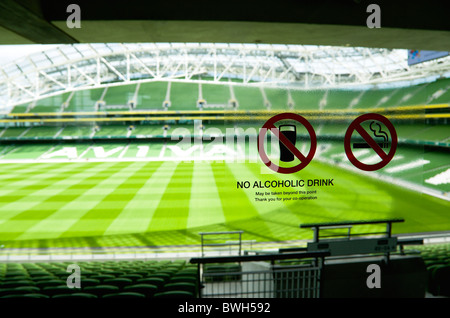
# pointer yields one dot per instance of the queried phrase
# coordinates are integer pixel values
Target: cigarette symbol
(377, 132)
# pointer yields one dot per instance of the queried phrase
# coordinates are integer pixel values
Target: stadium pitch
(168, 202)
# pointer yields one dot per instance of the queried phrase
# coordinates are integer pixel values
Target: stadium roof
(412, 24)
(66, 68)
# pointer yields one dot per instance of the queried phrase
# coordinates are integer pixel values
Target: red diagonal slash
(286, 142)
(371, 142)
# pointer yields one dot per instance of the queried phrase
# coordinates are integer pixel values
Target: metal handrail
(318, 226)
(260, 257)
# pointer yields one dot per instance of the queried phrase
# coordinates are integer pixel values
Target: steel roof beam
(30, 25)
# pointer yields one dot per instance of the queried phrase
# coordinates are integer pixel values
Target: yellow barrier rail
(212, 118)
(235, 112)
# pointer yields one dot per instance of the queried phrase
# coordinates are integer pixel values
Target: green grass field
(132, 193)
(169, 203)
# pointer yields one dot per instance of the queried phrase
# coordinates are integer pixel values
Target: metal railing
(286, 275)
(219, 240)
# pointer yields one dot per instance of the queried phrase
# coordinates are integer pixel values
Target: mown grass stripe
(89, 213)
(148, 197)
(29, 196)
(173, 209)
(132, 218)
(33, 179)
(205, 206)
(27, 215)
(53, 224)
(235, 204)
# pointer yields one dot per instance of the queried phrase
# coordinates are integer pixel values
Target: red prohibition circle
(356, 125)
(304, 160)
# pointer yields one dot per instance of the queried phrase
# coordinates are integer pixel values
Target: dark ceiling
(404, 24)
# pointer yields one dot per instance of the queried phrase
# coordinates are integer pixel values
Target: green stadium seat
(55, 290)
(435, 262)
(184, 279)
(187, 272)
(61, 274)
(144, 272)
(441, 279)
(177, 266)
(90, 282)
(19, 290)
(40, 279)
(106, 270)
(119, 282)
(174, 294)
(154, 268)
(15, 269)
(125, 270)
(28, 289)
(182, 286)
(101, 290)
(18, 283)
(26, 296)
(133, 277)
(164, 276)
(156, 281)
(167, 271)
(124, 295)
(102, 277)
(35, 274)
(75, 295)
(49, 283)
(16, 278)
(145, 289)
(87, 273)
(14, 274)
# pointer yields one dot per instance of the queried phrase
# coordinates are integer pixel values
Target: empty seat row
(99, 279)
(101, 291)
(437, 262)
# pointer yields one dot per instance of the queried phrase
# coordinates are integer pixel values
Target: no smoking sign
(370, 141)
